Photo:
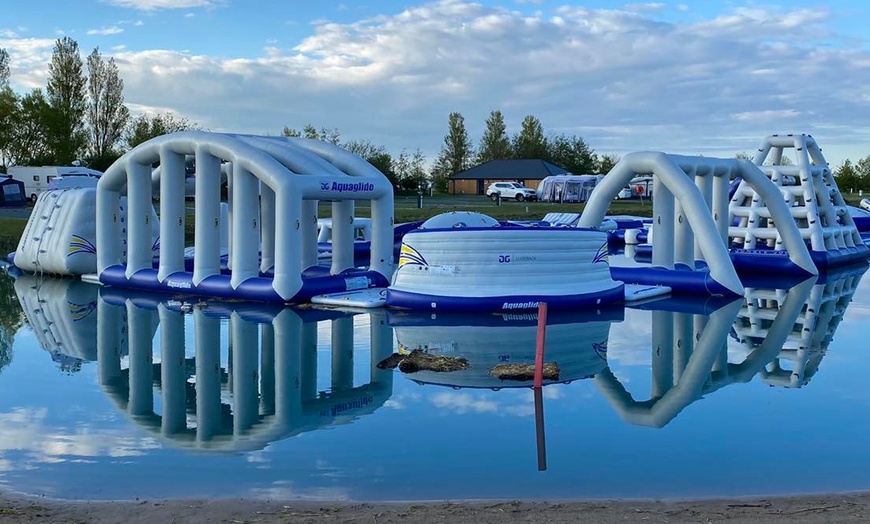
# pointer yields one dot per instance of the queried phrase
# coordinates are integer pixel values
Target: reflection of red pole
(539, 348)
(539, 429)
(539, 379)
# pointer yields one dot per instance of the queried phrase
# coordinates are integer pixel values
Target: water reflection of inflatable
(577, 343)
(690, 351)
(63, 315)
(266, 390)
(805, 347)
(265, 386)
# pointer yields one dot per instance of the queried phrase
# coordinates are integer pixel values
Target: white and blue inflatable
(465, 261)
(715, 224)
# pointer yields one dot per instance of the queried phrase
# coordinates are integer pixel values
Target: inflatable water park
(717, 224)
(236, 375)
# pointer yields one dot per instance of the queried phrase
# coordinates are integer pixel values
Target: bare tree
(107, 114)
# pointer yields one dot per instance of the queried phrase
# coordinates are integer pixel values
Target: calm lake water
(105, 395)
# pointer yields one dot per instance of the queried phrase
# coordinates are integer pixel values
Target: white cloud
(28, 60)
(34, 441)
(112, 30)
(151, 5)
(645, 7)
(463, 403)
(623, 80)
(766, 115)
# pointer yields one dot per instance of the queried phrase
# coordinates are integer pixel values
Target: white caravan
(37, 179)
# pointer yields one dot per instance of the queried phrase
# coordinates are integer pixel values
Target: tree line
(80, 115)
(854, 177)
(408, 170)
(530, 142)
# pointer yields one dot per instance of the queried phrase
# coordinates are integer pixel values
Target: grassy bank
(10, 231)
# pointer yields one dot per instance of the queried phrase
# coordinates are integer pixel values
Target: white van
(37, 179)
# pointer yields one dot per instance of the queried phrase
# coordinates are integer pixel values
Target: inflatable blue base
(777, 261)
(261, 313)
(682, 280)
(256, 289)
(436, 303)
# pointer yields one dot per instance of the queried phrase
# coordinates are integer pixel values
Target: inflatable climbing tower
(795, 164)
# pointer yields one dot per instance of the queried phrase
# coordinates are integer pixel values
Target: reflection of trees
(10, 318)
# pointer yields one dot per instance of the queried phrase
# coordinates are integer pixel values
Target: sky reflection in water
(101, 398)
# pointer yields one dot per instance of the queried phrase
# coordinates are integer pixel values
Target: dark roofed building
(474, 181)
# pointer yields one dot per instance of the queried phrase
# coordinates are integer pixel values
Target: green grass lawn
(10, 231)
(406, 210)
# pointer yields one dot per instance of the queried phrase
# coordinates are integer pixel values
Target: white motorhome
(36, 179)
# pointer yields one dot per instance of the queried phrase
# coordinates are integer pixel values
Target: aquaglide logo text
(352, 187)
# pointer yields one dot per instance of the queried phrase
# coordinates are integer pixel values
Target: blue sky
(684, 77)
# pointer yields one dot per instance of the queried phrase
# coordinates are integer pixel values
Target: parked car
(625, 193)
(511, 190)
(639, 187)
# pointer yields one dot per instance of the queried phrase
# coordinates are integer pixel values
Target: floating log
(419, 360)
(524, 371)
(391, 362)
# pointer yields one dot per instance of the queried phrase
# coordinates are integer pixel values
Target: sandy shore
(794, 510)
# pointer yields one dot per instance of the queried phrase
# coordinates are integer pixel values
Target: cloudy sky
(685, 77)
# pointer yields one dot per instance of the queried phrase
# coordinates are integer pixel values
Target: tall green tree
(494, 144)
(374, 155)
(144, 127)
(572, 153)
(67, 100)
(31, 125)
(530, 142)
(862, 167)
(410, 170)
(456, 152)
(326, 134)
(107, 115)
(8, 108)
(4, 68)
(605, 163)
(847, 177)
